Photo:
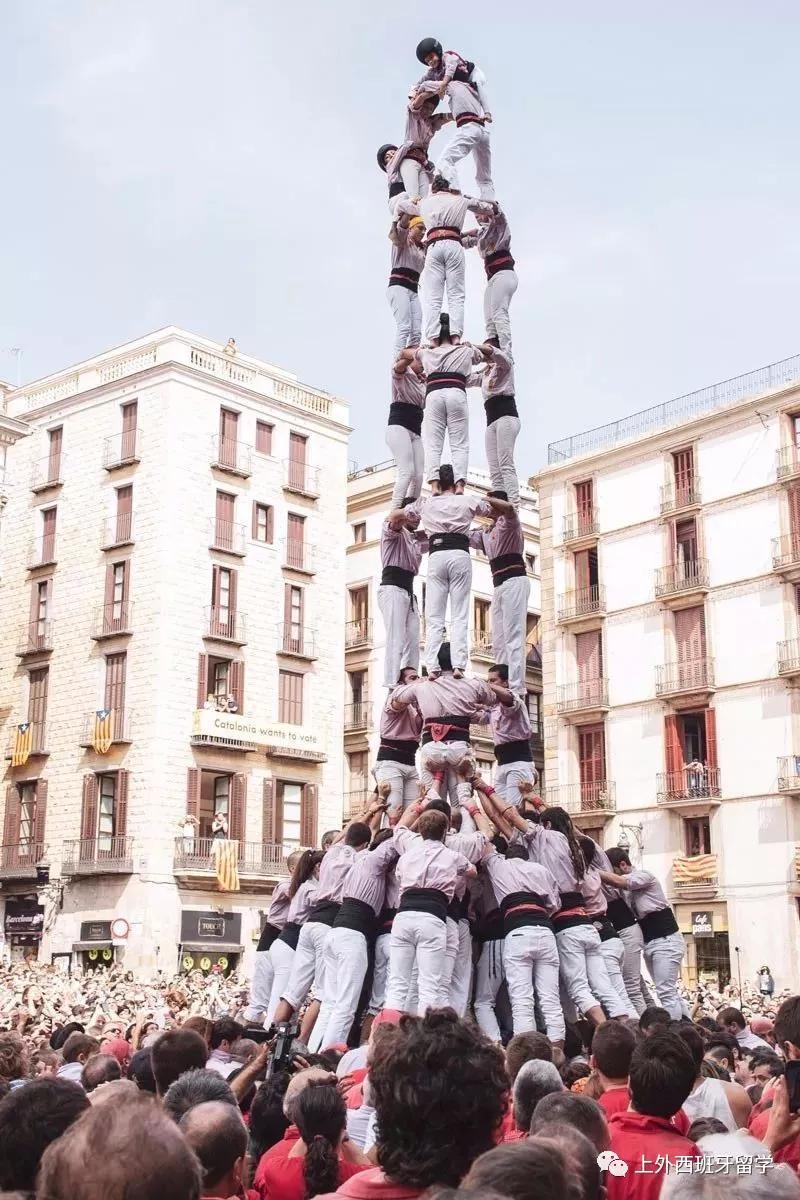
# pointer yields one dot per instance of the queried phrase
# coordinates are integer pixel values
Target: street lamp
(624, 841)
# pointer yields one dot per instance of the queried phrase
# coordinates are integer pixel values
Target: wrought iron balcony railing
(301, 478)
(681, 494)
(19, 860)
(226, 625)
(103, 855)
(117, 531)
(299, 556)
(113, 620)
(679, 577)
(117, 727)
(229, 454)
(789, 657)
(692, 675)
(121, 449)
(358, 715)
(296, 639)
(226, 535)
(35, 637)
(786, 551)
(584, 694)
(47, 473)
(598, 796)
(198, 856)
(358, 633)
(697, 782)
(582, 602)
(581, 524)
(42, 551)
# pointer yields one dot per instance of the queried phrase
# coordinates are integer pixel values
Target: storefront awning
(91, 945)
(216, 948)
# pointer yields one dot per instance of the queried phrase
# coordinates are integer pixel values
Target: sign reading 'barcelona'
(231, 727)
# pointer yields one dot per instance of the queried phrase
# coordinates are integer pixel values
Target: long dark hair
(321, 1116)
(304, 869)
(560, 820)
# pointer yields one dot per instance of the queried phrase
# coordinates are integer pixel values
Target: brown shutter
(236, 682)
(308, 815)
(254, 521)
(587, 653)
(673, 753)
(121, 805)
(236, 809)
(202, 679)
(193, 780)
(89, 808)
(271, 816)
(270, 524)
(582, 570)
(41, 812)
(711, 739)
(233, 589)
(54, 457)
(11, 819)
(109, 598)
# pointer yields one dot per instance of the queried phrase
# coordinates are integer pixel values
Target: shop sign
(95, 931)
(703, 924)
(210, 927)
(23, 918)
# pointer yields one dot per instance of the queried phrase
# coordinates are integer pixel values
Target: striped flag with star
(103, 730)
(23, 744)
(226, 863)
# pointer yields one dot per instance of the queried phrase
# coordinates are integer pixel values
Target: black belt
(405, 414)
(468, 118)
(356, 914)
(324, 913)
(399, 750)
(658, 924)
(445, 379)
(404, 277)
(524, 908)
(290, 934)
(506, 566)
(396, 188)
(620, 912)
(501, 405)
(605, 928)
(427, 900)
(398, 577)
(498, 260)
(268, 935)
(490, 929)
(447, 541)
(457, 909)
(443, 233)
(458, 731)
(510, 752)
(567, 916)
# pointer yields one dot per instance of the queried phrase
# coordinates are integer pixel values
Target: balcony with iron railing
(689, 785)
(786, 554)
(117, 531)
(789, 774)
(299, 556)
(685, 679)
(103, 855)
(482, 646)
(680, 495)
(197, 857)
(582, 603)
(225, 625)
(358, 716)
(598, 798)
(35, 637)
(232, 456)
(228, 537)
(582, 697)
(19, 860)
(122, 449)
(47, 473)
(686, 578)
(581, 526)
(787, 463)
(358, 633)
(42, 551)
(300, 478)
(356, 802)
(36, 743)
(789, 657)
(113, 620)
(116, 728)
(297, 640)
(695, 877)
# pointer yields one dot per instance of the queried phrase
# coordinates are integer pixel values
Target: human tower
(440, 857)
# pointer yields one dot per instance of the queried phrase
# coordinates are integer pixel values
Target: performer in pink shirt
(396, 764)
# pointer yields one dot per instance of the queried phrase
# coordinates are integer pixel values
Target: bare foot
(458, 673)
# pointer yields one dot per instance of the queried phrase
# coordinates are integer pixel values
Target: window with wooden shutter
(121, 807)
(114, 695)
(202, 680)
(690, 644)
(236, 685)
(673, 752)
(271, 815)
(37, 704)
(290, 698)
(359, 533)
(793, 500)
(194, 779)
(89, 808)
(589, 661)
(298, 446)
(130, 416)
(11, 817)
(712, 760)
(295, 540)
(115, 614)
(54, 440)
(49, 517)
(591, 764)
(308, 815)
(683, 475)
(263, 523)
(263, 437)
(107, 816)
(124, 516)
(224, 520)
(289, 805)
(228, 437)
(584, 505)
(237, 809)
(223, 588)
(292, 619)
(40, 817)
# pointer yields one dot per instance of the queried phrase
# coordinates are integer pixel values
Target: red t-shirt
(279, 1151)
(617, 1099)
(284, 1178)
(790, 1153)
(639, 1141)
(373, 1185)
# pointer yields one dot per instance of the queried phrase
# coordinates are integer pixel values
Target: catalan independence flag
(103, 731)
(695, 869)
(23, 744)
(226, 863)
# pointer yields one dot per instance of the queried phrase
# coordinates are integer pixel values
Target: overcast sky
(211, 164)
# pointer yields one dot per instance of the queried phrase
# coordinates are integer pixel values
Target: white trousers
(473, 139)
(461, 978)
(488, 981)
(261, 987)
(417, 939)
(380, 975)
(509, 612)
(307, 967)
(633, 942)
(434, 756)
(346, 964)
(446, 411)
(282, 956)
(407, 451)
(403, 781)
(401, 622)
(530, 960)
(613, 952)
(449, 574)
(500, 439)
(416, 179)
(583, 971)
(508, 777)
(496, 302)
(407, 312)
(444, 268)
(664, 957)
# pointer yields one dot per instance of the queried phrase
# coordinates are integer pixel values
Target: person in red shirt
(776, 1126)
(613, 1045)
(322, 1157)
(662, 1074)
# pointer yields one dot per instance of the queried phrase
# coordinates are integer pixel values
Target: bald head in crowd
(299, 1083)
(217, 1134)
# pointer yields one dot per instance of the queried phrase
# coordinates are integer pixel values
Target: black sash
(356, 914)
(506, 566)
(490, 929)
(570, 901)
(290, 933)
(399, 750)
(427, 900)
(510, 752)
(404, 277)
(457, 909)
(458, 733)
(398, 577)
(658, 924)
(268, 935)
(468, 118)
(605, 928)
(524, 908)
(620, 912)
(498, 260)
(407, 415)
(324, 913)
(396, 188)
(445, 379)
(443, 233)
(386, 920)
(499, 406)
(447, 541)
